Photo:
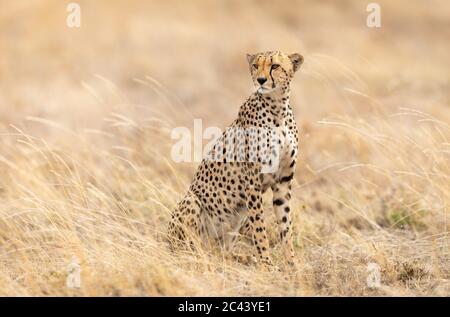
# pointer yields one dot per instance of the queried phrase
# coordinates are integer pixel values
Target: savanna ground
(86, 117)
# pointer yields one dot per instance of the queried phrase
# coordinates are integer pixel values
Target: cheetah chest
(283, 169)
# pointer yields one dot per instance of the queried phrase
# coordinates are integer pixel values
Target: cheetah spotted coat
(257, 152)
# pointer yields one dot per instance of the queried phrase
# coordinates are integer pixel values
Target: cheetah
(256, 152)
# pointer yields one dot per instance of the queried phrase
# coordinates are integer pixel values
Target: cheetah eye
(255, 66)
(275, 66)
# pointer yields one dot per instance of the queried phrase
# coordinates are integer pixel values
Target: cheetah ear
(296, 60)
(250, 58)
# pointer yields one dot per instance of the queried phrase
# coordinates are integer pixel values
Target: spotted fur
(225, 196)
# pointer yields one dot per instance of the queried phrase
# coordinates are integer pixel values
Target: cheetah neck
(277, 102)
(268, 109)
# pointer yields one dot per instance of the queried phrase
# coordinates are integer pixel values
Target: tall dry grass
(85, 122)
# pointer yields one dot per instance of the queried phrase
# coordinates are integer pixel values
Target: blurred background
(372, 104)
(196, 50)
(196, 53)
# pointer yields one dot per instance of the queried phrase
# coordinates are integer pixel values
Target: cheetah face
(271, 70)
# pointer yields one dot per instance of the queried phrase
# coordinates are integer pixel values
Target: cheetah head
(272, 70)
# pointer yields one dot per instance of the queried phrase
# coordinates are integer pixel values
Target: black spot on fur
(287, 178)
(278, 202)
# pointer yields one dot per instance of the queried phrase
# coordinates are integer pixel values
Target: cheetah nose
(261, 80)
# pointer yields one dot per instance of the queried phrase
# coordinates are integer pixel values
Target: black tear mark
(270, 73)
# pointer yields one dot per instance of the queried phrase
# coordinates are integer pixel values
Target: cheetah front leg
(281, 205)
(257, 225)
